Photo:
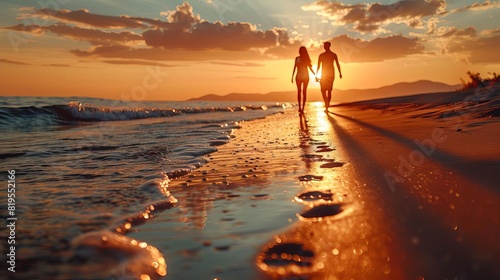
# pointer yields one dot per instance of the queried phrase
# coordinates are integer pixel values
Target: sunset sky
(175, 50)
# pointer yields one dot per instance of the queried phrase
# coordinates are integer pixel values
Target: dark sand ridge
(237, 216)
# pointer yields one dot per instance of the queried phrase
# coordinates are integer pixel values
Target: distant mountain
(399, 89)
(342, 96)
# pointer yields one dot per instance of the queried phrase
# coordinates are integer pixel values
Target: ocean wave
(75, 112)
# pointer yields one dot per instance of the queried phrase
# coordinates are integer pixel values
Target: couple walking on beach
(325, 61)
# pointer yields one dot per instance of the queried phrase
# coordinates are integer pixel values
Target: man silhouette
(325, 61)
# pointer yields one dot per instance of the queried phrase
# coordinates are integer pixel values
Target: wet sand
(357, 193)
(228, 209)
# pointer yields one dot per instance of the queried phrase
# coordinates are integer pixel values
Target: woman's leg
(298, 82)
(304, 94)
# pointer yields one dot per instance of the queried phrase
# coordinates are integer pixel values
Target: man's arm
(338, 65)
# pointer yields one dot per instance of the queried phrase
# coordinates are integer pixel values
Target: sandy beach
(374, 190)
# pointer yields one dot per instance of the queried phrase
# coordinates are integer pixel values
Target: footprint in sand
(322, 211)
(307, 178)
(317, 142)
(312, 158)
(314, 196)
(323, 146)
(324, 150)
(332, 164)
(286, 258)
(288, 253)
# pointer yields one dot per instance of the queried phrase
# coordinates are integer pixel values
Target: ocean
(78, 166)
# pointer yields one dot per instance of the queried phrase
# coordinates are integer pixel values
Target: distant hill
(489, 93)
(342, 96)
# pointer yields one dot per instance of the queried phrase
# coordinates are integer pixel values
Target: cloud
(490, 32)
(467, 44)
(34, 30)
(478, 6)
(280, 52)
(160, 54)
(379, 49)
(83, 17)
(453, 31)
(4, 60)
(233, 36)
(137, 62)
(357, 50)
(182, 17)
(246, 64)
(476, 50)
(370, 16)
(102, 51)
(58, 65)
(253, 78)
(188, 32)
(93, 36)
(181, 30)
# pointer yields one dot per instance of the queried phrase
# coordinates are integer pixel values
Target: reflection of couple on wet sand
(325, 62)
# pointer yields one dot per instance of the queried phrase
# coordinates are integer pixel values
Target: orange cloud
(369, 16)
(357, 50)
(467, 32)
(379, 49)
(469, 45)
(477, 50)
(192, 33)
(233, 36)
(491, 31)
(138, 62)
(93, 36)
(127, 52)
(246, 64)
(478, 6)
(3, 60)
(84, 17)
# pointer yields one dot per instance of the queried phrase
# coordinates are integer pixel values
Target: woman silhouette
(302, 62)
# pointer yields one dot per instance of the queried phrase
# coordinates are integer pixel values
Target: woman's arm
(294, 67)
(311, 68)
(319, 64)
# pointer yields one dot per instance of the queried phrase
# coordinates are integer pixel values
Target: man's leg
(323, 93)
(328, 97)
